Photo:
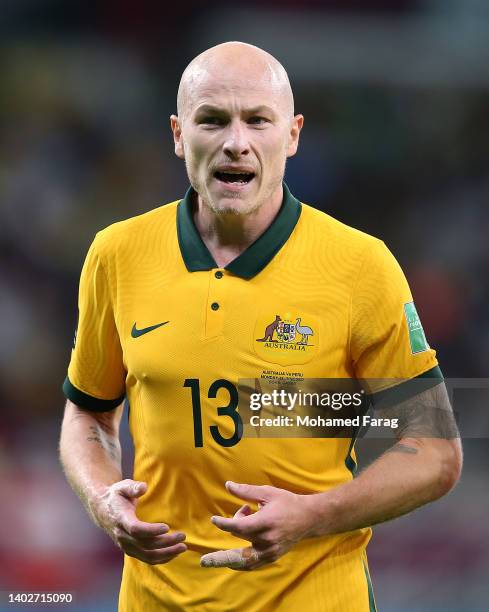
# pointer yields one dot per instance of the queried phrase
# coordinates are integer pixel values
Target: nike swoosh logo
(135, 333)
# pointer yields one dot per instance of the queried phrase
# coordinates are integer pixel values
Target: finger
(231, 525)
(131, 488)
(160, 542)
(124, 509)
(241, 526)
(155, 557)
(249, 492)
(245, 510)
(162, 555)
(139, 529)
(236, 558)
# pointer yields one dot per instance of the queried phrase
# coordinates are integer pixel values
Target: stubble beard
(235, 210)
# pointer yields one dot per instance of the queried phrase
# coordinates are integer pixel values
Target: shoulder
(132, 233)
(334, 235)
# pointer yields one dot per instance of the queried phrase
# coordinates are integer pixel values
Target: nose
(236, 143)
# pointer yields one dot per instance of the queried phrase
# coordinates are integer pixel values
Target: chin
(234, 206)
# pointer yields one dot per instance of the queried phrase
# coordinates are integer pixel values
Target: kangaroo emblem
(268, 335)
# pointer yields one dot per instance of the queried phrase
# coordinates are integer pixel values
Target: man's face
(235, 136)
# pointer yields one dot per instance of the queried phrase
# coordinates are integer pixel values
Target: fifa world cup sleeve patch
(417, 339)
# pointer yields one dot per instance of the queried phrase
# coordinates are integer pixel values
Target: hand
(281, 521)
(115, 513)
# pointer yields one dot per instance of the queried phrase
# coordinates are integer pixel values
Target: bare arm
(90, 454)
(423, 465)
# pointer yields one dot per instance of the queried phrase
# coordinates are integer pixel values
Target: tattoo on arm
(426, 415)
(111, 447)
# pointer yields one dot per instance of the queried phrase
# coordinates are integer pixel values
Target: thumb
(249, 492)
(133, 488)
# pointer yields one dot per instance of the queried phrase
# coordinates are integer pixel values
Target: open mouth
(237, 178)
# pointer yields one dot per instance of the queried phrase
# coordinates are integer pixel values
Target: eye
(211, 120)
(257, 120)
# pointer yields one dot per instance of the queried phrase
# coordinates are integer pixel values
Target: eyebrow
(209, 108)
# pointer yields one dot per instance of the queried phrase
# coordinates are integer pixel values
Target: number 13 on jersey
(229, 410)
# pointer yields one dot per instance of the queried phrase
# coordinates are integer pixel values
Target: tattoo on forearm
(111, 447)
(426, 415)
(105, 423)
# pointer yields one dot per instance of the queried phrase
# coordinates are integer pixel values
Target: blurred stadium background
(396, 99)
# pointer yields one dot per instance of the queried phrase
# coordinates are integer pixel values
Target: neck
(227, 235)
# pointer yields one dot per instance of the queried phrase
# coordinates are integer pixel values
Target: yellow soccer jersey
(161, 323)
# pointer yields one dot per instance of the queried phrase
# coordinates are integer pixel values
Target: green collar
(197, 257)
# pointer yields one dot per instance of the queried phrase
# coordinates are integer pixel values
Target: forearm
(412, 473)
(90, 454)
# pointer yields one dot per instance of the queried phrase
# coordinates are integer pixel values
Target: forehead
(232, 88)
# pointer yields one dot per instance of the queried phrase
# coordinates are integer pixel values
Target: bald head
(234, 63)
(236, 117)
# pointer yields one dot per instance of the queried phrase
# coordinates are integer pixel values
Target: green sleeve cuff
(407, 389)
(83, 400)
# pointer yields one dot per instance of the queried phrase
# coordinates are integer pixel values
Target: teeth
(238, 177)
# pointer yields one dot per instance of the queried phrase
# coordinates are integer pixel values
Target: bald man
(240, 280)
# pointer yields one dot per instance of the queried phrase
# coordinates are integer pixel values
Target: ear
(295, 130)
(177, 136)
